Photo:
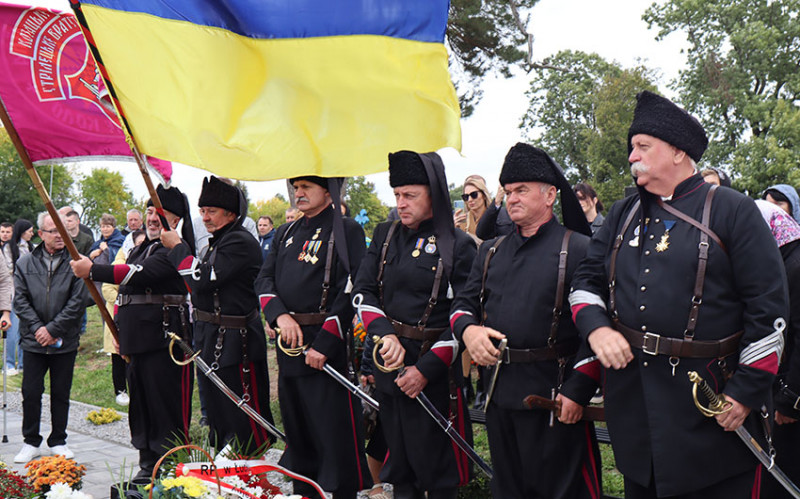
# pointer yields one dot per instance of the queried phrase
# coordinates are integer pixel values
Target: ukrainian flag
(265, 89)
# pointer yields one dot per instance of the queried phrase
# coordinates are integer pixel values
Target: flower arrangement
(103, 416)
(182, 487)
(61, 490)
(47, 471)
(13, 485)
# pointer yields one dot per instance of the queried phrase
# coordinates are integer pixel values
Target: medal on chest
(313, 250)
(663, 244)
(316, 234)
(303, 254)
(430, 248)
(418, 247)
(634, 242)
(288, 241)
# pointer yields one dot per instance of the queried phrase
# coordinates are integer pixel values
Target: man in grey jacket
(50, 302)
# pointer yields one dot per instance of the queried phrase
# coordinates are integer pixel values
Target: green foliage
(20, 199)
(455, 192)
(361, 195)
(104, 191)
(483, 37)
(274, 207)
(742, 82)
(585, 109)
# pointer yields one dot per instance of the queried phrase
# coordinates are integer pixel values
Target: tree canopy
(274, 207)
(580, 117)
(360, 195)
(743, 82)
(19, 198)
(104, 191)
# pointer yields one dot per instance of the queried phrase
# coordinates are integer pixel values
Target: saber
(502, 347)
(212, 376)
(716, 405)
(590, 413)
(333, 373)
(451, 431)
(443, 422)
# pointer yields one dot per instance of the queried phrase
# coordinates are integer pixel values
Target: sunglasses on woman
(473, 195)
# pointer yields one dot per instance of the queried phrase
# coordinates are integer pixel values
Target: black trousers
(532, 460)
(118, 367)
(161, 402)
(325, 434)
(743, 486)
(420, 453)
(228, 423)
(786, 439)
(61, 366)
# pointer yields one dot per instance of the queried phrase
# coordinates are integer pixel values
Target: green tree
(483, 36)
(361, 195)
(19, 198)
(274, 207)
(104, 191)
(607, 141)
(581, 115)
(742, 81)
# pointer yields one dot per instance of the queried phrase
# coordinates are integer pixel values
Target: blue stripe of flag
(420, 20)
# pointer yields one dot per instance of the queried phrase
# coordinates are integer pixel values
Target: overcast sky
(613, 29)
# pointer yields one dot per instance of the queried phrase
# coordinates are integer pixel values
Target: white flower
(61, 490)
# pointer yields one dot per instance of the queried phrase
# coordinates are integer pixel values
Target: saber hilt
(382, 368)
(225, 389)
(716, 402)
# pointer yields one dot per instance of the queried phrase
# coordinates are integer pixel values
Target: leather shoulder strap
(382, 261)
(489, 255)
(562, 278)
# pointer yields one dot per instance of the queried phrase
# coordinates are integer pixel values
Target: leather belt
(151, 299)
(309, 319)
(232, 321)
(656, 344)
(559, 350)
(413, 332)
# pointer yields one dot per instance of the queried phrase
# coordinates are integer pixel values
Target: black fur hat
(172, 199)
(661, 118)
(219, 194)
(406, 168)
(525, 163)
(320, 181)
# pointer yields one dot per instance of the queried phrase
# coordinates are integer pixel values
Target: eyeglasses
(473, 195)
(51, 231)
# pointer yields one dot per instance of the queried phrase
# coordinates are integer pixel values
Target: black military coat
(229, 269)
(287, 284)
(147, 270)
(651, 415)
(408, 284)
(520, 295)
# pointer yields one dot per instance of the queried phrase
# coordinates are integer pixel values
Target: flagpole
(51, 209)
(115, 107)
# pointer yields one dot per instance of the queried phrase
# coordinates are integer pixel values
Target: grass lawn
(92, 385)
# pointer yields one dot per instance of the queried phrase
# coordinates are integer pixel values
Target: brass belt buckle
(646, 342)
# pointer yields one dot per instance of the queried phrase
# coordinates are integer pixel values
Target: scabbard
(590, 413)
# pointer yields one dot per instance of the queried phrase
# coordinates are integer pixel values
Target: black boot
(480, 393)
(147, 461)
(407, 491)
(443, 493)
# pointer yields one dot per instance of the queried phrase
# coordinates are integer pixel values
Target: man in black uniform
(227, 322)
(517, 290)
(150, 303)
(403, 294)
(302, 288)
(683, 276)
